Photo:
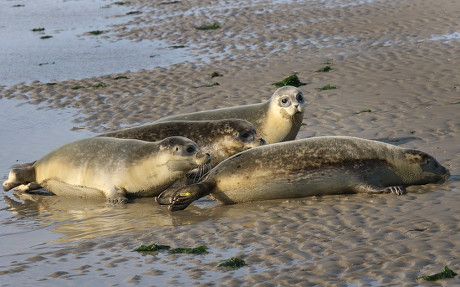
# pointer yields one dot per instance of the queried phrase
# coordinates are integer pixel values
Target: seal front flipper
(116, 195)
(398, 190)
(184, 196)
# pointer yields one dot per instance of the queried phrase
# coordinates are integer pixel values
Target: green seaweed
(99, 85)
(197, 250)
(168, 3)
(156, 247)
(120, 77)
(232, 263)
(46, 37)
(292, 80)
(456, 103)
(134, 13)
(78, 87)
(364, 111)
(177, 46)
(215, 74)
(96, 32)
(327, 87)
(324, 69)
(18, 5)
(208, 86)
(152, 248)
(119, 3)
(445, 274)
(42, 64)
(208, 27)
(38, 29)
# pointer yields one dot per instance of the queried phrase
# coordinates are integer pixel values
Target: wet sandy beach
(395, 68)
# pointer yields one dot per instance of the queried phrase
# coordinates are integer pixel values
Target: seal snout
(445, 175)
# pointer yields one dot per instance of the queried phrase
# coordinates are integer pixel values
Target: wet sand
(395, 66)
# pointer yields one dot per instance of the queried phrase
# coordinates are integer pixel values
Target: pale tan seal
(276, 120)
(308, 167)
(112, 168)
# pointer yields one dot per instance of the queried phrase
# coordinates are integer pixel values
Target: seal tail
(19, 176)
(184, 196)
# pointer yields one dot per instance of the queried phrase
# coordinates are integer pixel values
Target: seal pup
(220, 138)
(276, 120)
(313, 166)
(112, 168)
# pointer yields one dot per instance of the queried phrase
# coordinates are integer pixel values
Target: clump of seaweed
(134, 13)
(208, 27)
(232, 263)
(38, 29)
(200, 250)
(96, 32)
(99, 85)
(120, 3)
(77, 87)
(364, 111)
(445, 274)
(327, 87)
(46, 37)
(177, 46)
(324, 69)
(152, 248)
(207, 86)
(215, 74)
(292, 80)
(120, 77)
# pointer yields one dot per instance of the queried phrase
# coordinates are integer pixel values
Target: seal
(112, 168)
(313, 166)
(220, 138)
(276, 120)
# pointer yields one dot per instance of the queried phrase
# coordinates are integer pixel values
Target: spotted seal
(313, 166)
(220, 138)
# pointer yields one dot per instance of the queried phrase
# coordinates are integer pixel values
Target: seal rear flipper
(398, 190)
(184, 196)
(19, 176)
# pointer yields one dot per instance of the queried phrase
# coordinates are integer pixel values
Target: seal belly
(265, 185)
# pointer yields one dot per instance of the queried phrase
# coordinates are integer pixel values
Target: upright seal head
(276, 120)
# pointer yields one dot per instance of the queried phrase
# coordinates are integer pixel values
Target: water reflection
(79, 219)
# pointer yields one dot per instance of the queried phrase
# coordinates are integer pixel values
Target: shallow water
(72, 53)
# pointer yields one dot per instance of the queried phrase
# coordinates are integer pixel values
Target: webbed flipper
(184, 196)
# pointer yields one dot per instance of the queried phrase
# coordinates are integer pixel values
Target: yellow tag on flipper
(185, 194)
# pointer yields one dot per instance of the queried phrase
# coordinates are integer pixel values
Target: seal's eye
(285, 102)
(245, 135)
(299, 98)
(190, 149)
